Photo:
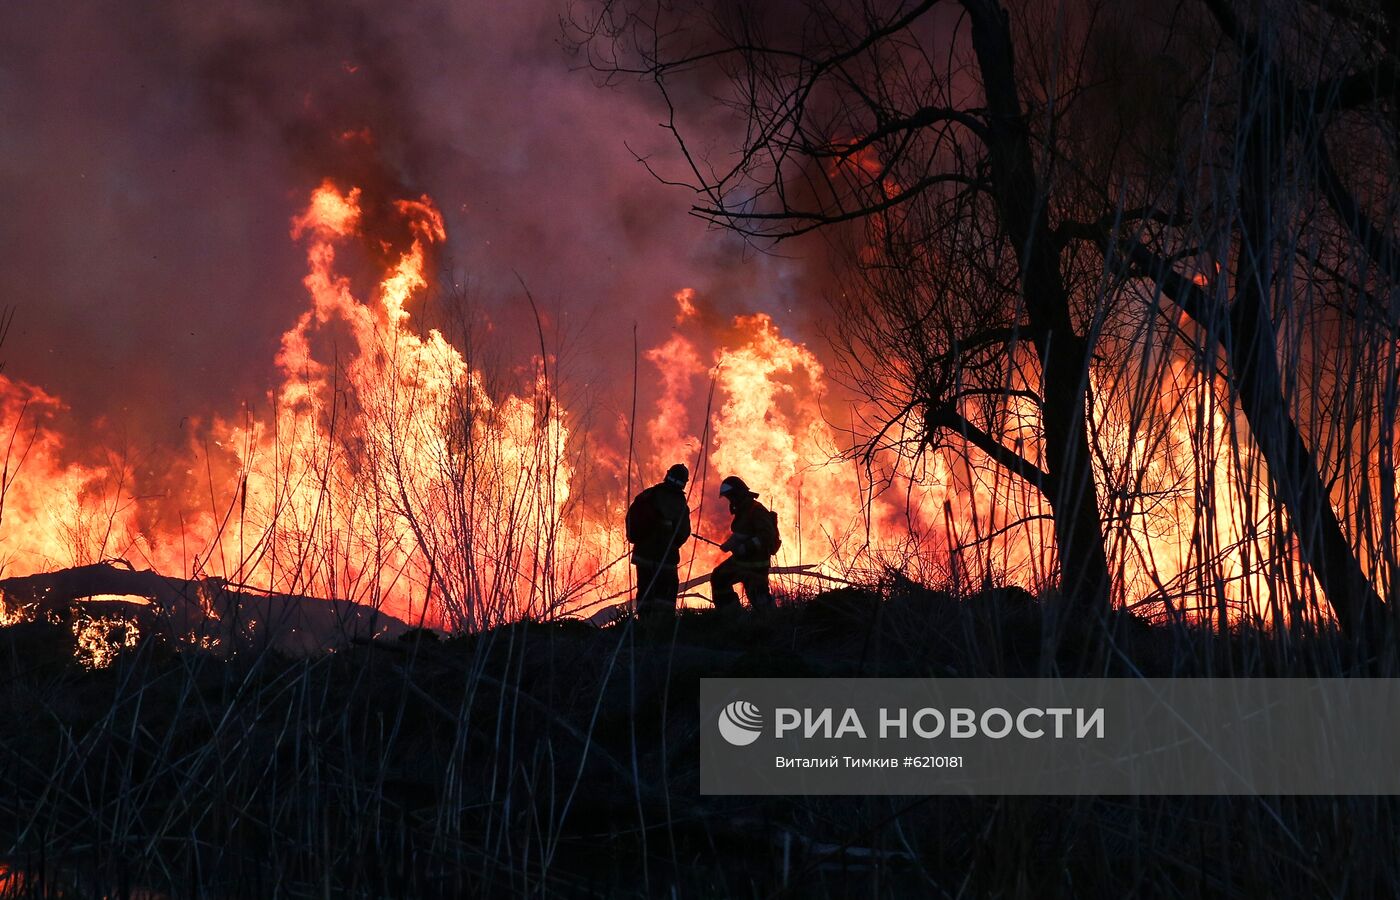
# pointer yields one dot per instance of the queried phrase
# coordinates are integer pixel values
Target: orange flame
(386, 471)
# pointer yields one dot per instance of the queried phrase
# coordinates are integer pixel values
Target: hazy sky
(152, 155)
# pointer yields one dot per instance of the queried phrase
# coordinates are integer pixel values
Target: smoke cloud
(154, 155)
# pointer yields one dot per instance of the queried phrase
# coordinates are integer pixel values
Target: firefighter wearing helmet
(751, 545)
(658, 523)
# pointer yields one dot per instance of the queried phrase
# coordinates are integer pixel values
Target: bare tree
(1015, 190)
(1265, 199)
(908, 118)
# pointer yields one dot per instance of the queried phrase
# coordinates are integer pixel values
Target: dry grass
(561, 760)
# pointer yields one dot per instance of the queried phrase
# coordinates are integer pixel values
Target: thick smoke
(154, 155)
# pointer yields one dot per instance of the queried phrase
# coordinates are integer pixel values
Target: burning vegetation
(391, 472)
(1086, 362)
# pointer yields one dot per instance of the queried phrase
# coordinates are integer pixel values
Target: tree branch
(951, 419)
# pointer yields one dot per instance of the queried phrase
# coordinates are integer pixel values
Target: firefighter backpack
(775, 537)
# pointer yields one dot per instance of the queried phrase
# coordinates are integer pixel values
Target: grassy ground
(561, 760)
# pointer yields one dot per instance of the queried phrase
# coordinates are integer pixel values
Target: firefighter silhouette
(658, 524)
(752, 542)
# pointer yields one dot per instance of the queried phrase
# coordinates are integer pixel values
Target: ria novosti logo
(740, 723)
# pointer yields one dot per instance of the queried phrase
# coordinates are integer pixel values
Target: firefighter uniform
(752, 543)
(658, 523)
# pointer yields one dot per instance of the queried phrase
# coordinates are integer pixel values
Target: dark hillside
(561, 760)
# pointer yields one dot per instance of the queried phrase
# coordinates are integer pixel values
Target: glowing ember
(99, 639)
(11, 614)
